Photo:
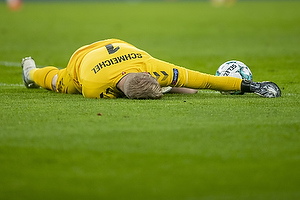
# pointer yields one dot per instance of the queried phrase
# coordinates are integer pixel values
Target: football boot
(27, 65)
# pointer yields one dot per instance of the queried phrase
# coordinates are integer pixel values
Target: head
(141, 86)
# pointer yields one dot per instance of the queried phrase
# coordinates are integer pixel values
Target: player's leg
(199, 80)
(44, 77)
(34, 77)
(54, 79)
(50, 78)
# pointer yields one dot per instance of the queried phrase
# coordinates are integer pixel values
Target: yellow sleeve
(167, 74)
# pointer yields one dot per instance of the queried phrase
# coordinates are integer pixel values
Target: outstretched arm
(183, 90)
(179, 90)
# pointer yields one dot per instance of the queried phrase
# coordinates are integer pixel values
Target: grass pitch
(201, 146)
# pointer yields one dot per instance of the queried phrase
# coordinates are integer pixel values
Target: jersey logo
(111, 49)
(157, 75)
(175, 76)
(107, 91)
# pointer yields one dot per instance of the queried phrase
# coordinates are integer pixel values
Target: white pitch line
(11, 85)
(14, 64)
(10, 64)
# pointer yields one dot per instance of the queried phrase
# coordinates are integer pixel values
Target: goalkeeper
(113, 68)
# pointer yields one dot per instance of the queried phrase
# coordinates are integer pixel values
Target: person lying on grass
(113, 68)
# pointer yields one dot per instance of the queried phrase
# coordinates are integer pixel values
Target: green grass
(203, 146)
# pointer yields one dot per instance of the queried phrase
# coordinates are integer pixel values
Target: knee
(53, 83)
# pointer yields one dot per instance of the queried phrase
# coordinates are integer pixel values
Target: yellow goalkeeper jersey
(97, 68)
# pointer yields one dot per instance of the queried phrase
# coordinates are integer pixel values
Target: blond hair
(142, 86)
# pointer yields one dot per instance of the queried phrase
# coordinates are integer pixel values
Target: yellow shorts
(65, 83)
